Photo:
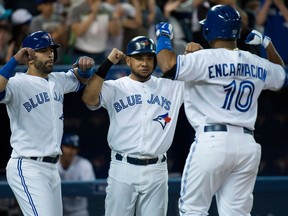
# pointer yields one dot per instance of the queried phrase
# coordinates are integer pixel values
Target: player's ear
(30, 62)
(128, 60)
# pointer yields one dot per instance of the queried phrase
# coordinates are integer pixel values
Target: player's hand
(116, 55)
(164, 29)
(24, 55)
(256, 38)
(85, 66)
(192, 47)
(85, 63)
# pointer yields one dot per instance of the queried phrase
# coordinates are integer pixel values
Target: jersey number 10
(244, 94)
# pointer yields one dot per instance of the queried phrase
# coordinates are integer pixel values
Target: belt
(46, 159)
(140, 161)
(221, 127)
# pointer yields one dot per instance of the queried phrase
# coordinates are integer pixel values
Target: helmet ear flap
(206, 31)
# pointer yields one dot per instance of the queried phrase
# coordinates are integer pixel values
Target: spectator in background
(129, 16)
(151, 14)
(5, 36)
(199, 12)
(61, 7)
(71, 166)
(29, 5)
(273, 16)
(172, 15)
(250, 7)
(90, 24)
(4, 14)
(20, 20)
(51, 22)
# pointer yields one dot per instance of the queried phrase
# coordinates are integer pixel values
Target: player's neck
(34, 72)
(227, 44)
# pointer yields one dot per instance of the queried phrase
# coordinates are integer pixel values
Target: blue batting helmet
(141, 44)
(222, 22)
(70, 139)
(40, 40)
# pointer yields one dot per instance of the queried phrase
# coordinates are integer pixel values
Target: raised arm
(7, 71)
(166, 57)
(92, 90)
(256, 38)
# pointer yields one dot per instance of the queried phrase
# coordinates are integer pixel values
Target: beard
(42, 67)
(142, 78)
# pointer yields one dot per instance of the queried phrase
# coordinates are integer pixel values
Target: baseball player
(143, 112)
(222, 86)
(71, 166)
(34, 102)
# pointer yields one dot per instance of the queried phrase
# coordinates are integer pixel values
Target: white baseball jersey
(79, 170)
(221, 93)
(143, 116)
(230, 88)
(35, 109)
(143, 119)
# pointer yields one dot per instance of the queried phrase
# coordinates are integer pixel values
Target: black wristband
(104, 68)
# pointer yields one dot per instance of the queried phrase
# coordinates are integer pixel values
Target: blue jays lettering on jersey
(42, 95)
(147, 110)
(137, 100)
(42, 98)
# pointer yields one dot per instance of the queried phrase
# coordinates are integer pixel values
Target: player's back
(224, 85)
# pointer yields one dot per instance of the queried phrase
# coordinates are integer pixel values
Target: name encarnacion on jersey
(240, 69)
(136, 99)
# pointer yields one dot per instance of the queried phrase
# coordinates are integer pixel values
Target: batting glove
(164, 29)
(256, 38)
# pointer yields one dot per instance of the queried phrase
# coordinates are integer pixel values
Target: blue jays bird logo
(141, 44)
(163, 120)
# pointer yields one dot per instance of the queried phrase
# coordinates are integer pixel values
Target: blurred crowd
(94, 27)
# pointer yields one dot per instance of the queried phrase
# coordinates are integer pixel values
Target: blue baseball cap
(71, 139)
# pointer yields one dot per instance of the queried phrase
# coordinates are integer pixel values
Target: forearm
(80, 28)
(273, 55)
(3, 83)
(166, 60)
(6, 72)
(92, 91)
(93, 88)
(283, 9)
(261, 14)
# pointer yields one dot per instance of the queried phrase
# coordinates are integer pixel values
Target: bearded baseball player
(34, 102)
(222, 86)
(143, 112)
